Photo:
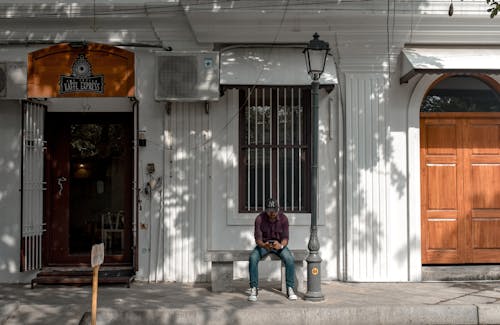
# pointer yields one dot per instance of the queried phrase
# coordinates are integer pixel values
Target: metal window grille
(274, 148)
(33, 146)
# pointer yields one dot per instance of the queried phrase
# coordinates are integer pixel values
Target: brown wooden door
(460, 182)
(482, 183)
(89, 187)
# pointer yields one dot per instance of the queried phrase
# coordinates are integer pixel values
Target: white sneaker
(253, 294)
(291, 295)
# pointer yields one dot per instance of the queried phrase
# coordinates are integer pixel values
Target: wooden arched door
(460, 179)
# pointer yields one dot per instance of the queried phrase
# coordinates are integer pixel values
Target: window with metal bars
(274, 151)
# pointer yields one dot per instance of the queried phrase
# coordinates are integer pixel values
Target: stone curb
(383, 314)
(489, 314)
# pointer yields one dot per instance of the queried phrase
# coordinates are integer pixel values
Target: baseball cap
(271, 205)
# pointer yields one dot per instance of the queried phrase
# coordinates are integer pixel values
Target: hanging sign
(81, 79)
(81, 70)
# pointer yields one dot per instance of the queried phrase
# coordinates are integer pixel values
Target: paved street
(173, 303)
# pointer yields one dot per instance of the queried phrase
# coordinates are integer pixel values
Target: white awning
(478, 59)
(273, 66)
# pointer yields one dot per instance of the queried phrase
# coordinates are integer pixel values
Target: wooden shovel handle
(95, 281)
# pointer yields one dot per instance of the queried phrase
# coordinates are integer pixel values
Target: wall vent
(187, 76)
(13, 80)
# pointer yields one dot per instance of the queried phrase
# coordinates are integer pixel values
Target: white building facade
(199, 162)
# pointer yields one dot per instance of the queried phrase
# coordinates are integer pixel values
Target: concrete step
(80, 280)
(83, 275)
(461, 273)
(287, 315)
(87, 271)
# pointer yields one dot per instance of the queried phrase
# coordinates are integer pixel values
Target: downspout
(22, 264)
(161, 210)
(162, 196)
(342, 158)
(136, 201)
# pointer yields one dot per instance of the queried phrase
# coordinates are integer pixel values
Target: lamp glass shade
(315, 54)
(315, 60)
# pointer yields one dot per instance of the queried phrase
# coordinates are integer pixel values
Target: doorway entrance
(461, 186)
(460, 173)
(89, 176)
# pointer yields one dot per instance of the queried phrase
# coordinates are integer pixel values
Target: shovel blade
(97, 255)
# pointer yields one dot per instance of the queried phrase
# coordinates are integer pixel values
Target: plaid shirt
(266, 230)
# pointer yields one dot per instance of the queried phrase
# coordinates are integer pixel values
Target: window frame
(486, 80)
(305, 93)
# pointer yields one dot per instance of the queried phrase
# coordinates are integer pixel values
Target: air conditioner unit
(13, 80)
(187, 76)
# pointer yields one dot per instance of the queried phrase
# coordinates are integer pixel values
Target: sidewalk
(173, 303)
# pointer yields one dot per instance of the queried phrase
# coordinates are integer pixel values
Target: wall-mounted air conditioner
(13, 80)
(187, 76)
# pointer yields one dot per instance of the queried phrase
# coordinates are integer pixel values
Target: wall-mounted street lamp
(315, 53)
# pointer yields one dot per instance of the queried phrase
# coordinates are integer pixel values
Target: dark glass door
(89, 178)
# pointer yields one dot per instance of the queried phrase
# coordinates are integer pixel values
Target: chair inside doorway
(112, 231)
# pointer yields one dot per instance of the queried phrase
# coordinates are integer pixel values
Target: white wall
(382, 238)
(151, 122)
(10, 197)
(172, 220)
(230, 229)
(10, 169)
(375, 182)
(187, 195)
(369, 232)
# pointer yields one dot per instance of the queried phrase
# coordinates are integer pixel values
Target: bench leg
(222, 276)
(283, 277)
(299, 277)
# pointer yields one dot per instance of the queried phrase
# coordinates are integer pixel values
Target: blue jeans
(284, 254)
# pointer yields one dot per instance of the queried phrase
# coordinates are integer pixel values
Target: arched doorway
(89, 160)
(460, 171)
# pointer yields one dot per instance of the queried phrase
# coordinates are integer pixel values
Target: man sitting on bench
(271, 236)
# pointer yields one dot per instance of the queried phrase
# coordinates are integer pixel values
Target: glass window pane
(461, 94)
(98, 159)
(297, 117)
(252, 123)
(267, 124)
(258, 177)
(281, 175)
(291, 179)
(251, 179)
(272, 164)
(298, 177)
(259, 181)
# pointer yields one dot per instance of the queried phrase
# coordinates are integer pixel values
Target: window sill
(294, 219)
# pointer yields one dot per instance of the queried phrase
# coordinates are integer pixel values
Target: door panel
(89, 197)
(442, 177)
(443, 234)
(484, 138)
(460, 189)
(441, 139)
(483, 188)
(442, 185)
(485, 179)
(485, 233)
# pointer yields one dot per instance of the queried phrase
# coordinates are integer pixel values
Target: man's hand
(276, 245)
(268, 246)
(265, 245)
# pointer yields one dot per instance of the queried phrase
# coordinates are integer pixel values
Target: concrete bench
(222, 268)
